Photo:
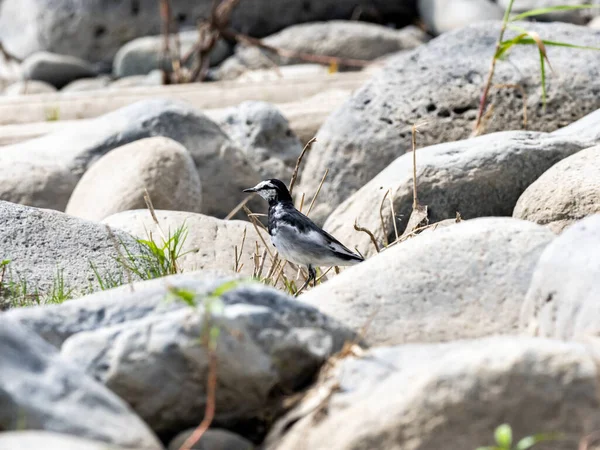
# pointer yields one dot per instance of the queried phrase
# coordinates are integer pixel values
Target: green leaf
(540, 11)
(503, 436)
(225, 287)
(530, 441)
(5, 262)
(184, 295)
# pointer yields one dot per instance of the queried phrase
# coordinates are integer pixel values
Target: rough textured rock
(562, 301)
(378, 119)
(40, 243)
(464, 281)
(158, 165)
(422, 397)
(95, 29)
(213, 439)
(565, 193)
(268, 343)
(441, 16)
(264, 134)
(576, 16)
(42, 391)
(57, 70)
(478, 177)
(28, 87)
(210, 242)
(47, 186)
(144, 54)
(79, 146)
(29, 440)
(344, 39)
(55, 323)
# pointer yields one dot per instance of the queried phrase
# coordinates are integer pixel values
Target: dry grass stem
(239, 206)
(238, 255)
(117, 246)
(301, 202)
(298, 162)
(209, 411)
(312, 203)
(391, 199)
(383, 227)
(357, 227)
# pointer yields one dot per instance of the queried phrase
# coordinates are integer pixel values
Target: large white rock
(565, 193)
(454, 395)
(441, 16)
(119, 180)
(464, 281)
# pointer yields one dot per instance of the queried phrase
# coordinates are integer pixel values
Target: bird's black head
(273, 191)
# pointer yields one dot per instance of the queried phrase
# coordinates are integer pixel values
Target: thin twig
(312, 203)
(239, 206)
(357, 227)
(209, 411)
(391, 199)
(301, 202)
(383, 227)
(298, 162)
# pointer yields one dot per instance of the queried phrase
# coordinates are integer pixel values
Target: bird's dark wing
(306, 226)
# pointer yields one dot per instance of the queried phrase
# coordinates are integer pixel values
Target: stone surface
(56, 323)
(87, 84)
(95, 29)
(565, 193)
(268, 343)
(40, 390)
(28, 87)
(81, 145)
(441, 16)
(159, 166)
(45, 186)
(57, 70)
(379, 117)
(213, 439)
(562, 301)
(264, 134)
(142, 55)
(576, 16)
(423, 397)
(484, 176)
(210, 242)
(30, 440)
(40, 243)
(154, 78)
(464, 281)
(595, 23)
(343, 39)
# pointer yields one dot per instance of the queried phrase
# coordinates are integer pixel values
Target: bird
(297, 238)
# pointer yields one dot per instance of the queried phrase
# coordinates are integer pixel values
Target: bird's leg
(312, 274)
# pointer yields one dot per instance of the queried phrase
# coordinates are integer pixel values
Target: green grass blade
(529, 441)
(551, 9)
(543, 72)
(503, 436)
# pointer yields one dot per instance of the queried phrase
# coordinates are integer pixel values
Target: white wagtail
(297, 238)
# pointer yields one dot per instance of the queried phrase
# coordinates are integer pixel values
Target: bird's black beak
(250, 190)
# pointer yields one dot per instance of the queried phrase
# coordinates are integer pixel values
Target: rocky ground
(141, 298)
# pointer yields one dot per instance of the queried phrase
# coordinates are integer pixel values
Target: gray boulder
(562, 300)
(484, 176)
(565, 193)
(142, 55)
(342, 39)
(268, 343)
(441, 16)
(77, 147)
(464, 281)
(56, 323)
(424, 397)
(153, 78)
(264, 134)
(40, 390)
(95, 29)
(159, 166)
(28, 87)
(87, 84)
(43, 244)
(374, 127)
(57, 70)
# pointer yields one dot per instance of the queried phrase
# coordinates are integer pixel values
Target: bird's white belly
(290, 252)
